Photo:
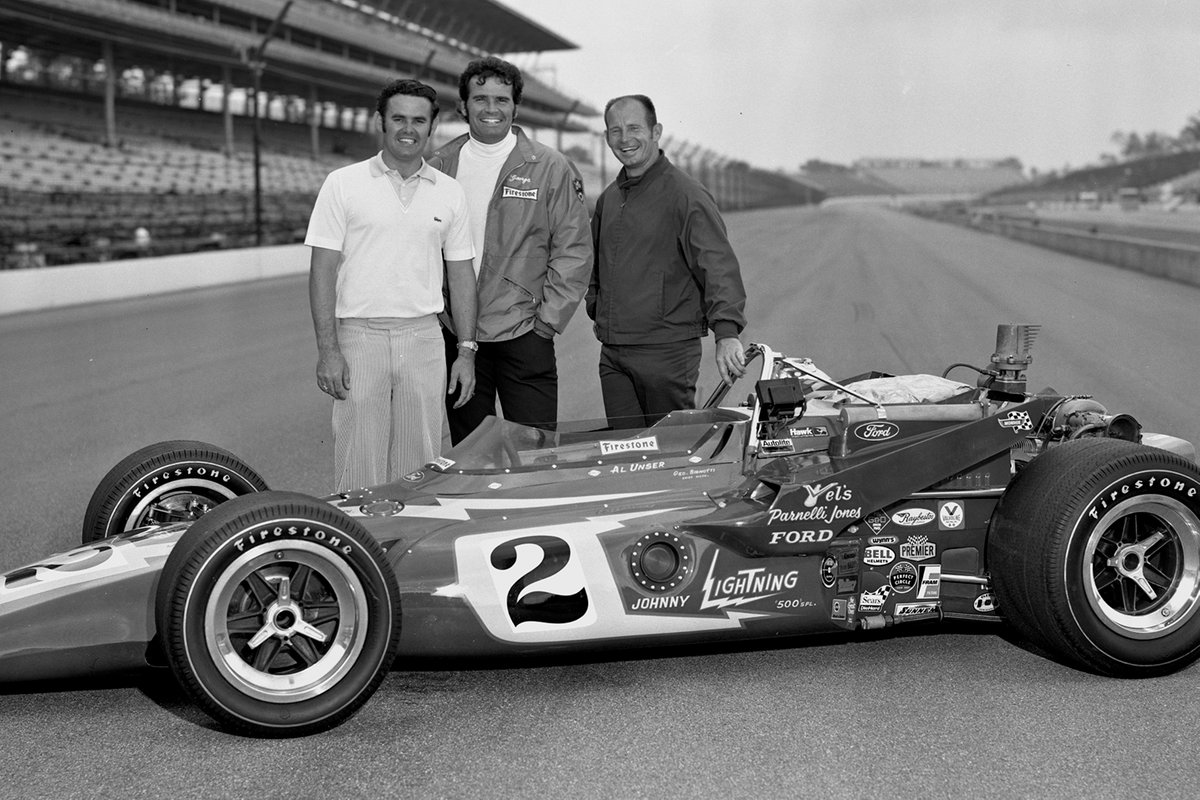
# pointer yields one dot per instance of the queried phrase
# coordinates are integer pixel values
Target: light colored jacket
(537, 251)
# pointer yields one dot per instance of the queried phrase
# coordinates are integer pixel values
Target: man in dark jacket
(664, 274)
(533, 251)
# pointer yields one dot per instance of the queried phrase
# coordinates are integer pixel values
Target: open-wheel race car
(790, 503)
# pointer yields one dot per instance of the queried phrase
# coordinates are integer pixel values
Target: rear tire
(166, 483)
(1094, 552)
(280, 615)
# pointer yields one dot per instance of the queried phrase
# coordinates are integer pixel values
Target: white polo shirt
(392, 255)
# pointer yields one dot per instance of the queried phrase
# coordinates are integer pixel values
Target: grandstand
(131, 127)
(1173, 174)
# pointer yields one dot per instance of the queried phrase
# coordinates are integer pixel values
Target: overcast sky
(777, 82)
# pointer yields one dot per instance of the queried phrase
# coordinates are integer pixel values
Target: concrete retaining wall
(54, 287)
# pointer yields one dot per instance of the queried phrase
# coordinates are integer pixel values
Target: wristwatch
(468, 344)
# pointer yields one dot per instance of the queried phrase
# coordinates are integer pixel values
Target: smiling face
(407, 125)
(631, 137)
(489, 109)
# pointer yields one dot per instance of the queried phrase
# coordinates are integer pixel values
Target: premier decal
(877, 431)
(647, 444)
(913, 517)
(918, 548)
(745, 586)
(950, 516)
(520, 194)
(878, 556)
(1179, 486)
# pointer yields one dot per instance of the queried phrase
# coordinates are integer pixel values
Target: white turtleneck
(479, 167)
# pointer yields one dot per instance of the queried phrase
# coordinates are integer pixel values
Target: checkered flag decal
(1017, 420)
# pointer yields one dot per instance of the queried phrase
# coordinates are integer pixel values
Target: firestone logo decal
(877, 431)
(1179, 486)
(520, 194)
(648, 444)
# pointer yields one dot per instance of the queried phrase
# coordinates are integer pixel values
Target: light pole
(255, 58)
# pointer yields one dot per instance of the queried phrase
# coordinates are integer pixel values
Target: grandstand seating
(1143, 173)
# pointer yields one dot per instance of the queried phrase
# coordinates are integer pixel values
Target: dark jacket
(664, 269)
(537, 251)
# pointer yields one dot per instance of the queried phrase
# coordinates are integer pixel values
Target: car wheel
(279, 614)
(1094, 552)
(165, 483)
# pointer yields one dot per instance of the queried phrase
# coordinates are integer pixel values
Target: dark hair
(481, 69)
(646, 103)
(409, 87)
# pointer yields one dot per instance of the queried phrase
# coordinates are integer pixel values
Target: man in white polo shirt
(379, 232)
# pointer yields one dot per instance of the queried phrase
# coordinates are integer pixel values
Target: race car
(789, 503)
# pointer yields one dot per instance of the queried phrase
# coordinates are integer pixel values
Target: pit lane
(959, 712)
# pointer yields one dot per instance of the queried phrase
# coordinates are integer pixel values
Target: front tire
(1095, 556)
(280, 615)
(165, 483)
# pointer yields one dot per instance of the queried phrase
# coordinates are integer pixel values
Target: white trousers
(391, 421)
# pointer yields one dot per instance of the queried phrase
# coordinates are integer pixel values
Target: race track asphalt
(961, 711)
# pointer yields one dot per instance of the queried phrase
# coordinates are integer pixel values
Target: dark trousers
(522, 372)
(642, 383)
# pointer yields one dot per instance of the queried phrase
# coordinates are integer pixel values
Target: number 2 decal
(539, 605)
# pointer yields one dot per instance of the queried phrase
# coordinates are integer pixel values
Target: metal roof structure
(338, 51)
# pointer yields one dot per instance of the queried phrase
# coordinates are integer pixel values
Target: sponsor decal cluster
(929, 582)
(902, 577)
(1175, 485)
(878, 431)
(918, 548)
(645, 444)
(520, 194)
(950, 516)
